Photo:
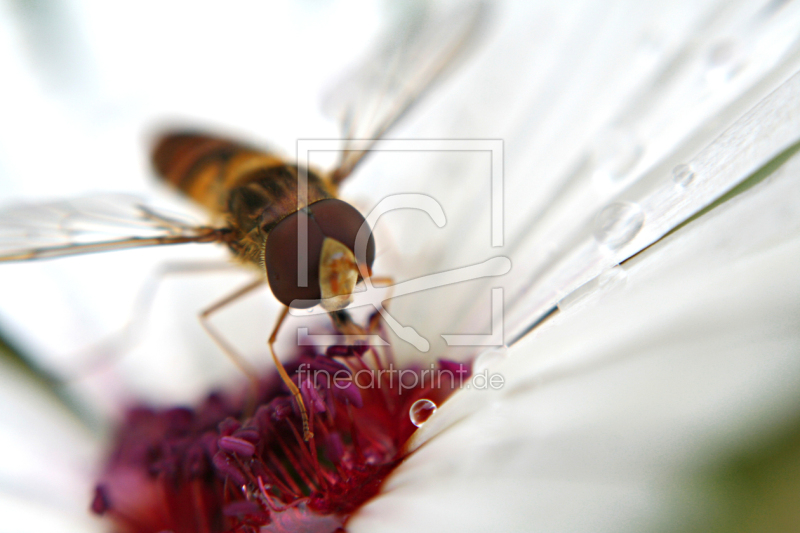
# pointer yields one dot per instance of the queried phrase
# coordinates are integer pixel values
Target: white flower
(674, 343)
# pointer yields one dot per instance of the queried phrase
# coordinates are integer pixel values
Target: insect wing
(91, 224)
(374, 95)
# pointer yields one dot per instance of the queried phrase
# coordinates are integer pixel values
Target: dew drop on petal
(723, 61)
(618, 223)
(421, 411)
(489, 358)
(683, 175)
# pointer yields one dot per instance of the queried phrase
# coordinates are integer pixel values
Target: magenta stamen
(335, 447)
(284, 476)
(250, 434)
(349, 392)
(228, 468)
(229, 426)
(312, 397)
(237, 446)
(212, 470)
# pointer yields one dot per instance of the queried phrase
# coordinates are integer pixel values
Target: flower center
(218, 468)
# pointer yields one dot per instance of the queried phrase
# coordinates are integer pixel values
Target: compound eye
(281, 260)
(341, 221)
(328, 218)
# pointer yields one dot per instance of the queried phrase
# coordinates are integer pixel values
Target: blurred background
(87, 85)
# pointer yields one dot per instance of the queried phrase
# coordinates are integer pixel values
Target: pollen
(214, 468)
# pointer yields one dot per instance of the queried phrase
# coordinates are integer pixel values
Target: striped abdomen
(252, 190)
(205, 167)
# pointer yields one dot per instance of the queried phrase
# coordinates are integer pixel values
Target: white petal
(21, 515)
(595, 104)
(611, 409)
(49, 459)
(497, 503)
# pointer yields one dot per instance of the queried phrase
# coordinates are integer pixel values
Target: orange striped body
(250, 189)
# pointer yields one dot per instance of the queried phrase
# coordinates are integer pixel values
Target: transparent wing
(374, 95)
(92, 224)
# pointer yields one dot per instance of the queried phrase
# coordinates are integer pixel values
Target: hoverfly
(255, 192)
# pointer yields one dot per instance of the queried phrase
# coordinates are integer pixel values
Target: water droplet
(615, 154)
(618, 223)
(421, 411)
(489, 358)
(724, 61)
(682, 175)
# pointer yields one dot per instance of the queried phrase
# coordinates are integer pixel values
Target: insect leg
(386, 281)
(374, 326)
(307, 433)
(240, 362)
(382, 281)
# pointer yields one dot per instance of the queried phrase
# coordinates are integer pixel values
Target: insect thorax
(261, 199)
